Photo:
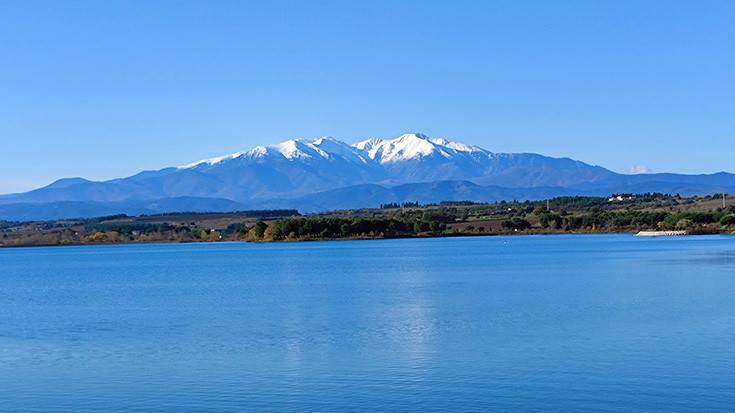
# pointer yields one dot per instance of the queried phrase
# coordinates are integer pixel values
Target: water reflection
(571, 323)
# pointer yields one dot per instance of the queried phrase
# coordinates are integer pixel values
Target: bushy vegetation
(516, 224)
(620, 213)
(394, 205)
(708, 217)
(632, 219)
(135, 227)
(330, 228)
(258, 213)
(728, 220)
(6, 224)
(615, 220)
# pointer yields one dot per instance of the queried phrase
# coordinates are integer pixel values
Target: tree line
(350, 227)
(637, 219)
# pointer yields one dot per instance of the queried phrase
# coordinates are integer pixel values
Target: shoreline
(643, 215)
(284, 241)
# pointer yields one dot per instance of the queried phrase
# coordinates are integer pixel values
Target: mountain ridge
(324, 173)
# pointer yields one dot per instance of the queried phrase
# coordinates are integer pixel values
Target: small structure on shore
(660, 233)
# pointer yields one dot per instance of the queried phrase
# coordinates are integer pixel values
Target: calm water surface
(555, 323)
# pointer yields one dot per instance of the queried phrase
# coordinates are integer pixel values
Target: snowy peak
(368, 144)
(323, 170)
(292, 150)
(415, 146)
(407, 147)
(335, 148)
(304, 149)
(212, 161)
(298, 149)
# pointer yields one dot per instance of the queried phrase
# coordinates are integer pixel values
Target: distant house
(620, 198)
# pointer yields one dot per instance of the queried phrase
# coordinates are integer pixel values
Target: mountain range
(326, 174)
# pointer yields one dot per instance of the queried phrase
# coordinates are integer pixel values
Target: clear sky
(104, 89)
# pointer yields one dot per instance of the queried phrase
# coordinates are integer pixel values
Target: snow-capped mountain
(326, 163)
(404, 148)
(326, 173)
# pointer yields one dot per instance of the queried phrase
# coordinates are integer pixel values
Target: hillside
(325, 174)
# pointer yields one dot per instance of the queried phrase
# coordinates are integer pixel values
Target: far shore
(645, 215)
(459, 235)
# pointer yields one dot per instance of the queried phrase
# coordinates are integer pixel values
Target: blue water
(551, 323)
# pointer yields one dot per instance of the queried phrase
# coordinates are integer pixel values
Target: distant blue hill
(325, 174)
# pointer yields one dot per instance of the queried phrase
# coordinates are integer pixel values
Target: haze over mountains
(327, 174)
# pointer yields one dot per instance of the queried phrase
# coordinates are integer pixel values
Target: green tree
(728, 220)
(272, 233)
(258, 229)
(545, 220)
(516, 223)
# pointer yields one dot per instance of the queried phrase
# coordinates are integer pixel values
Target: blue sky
(106, 89)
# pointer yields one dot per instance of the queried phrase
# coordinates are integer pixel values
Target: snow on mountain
(298, 167)
(367, 145)
(212, 161)
(293, 149)
(327, 171)
(381, 151)
(403, 148)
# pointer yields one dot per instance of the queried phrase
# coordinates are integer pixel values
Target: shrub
(684, 223)
(728, 220)
(516, 223)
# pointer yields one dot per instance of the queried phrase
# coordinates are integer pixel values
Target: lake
(526, 323)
